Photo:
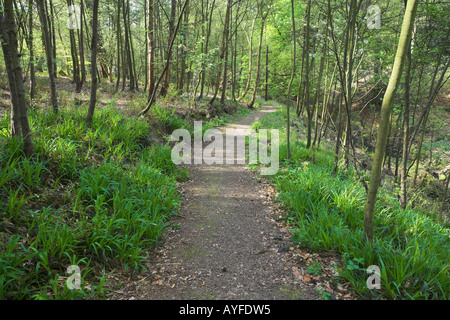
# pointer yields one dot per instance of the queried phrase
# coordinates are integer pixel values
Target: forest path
(227, 245)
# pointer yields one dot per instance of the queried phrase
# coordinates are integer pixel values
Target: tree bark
(93, 99)
(152, 98)
(386, 110)
(151, 47)
(258, 63)
(19, 114)
(165, 85)
(222, 51)
(31, 48)
(48, 53)
(250, 62)
(75, 62)
(289, 98)
(403, 198)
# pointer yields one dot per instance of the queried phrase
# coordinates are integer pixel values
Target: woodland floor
(229, 240)
(226, 242)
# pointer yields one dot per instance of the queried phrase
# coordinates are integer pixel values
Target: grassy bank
(325, 212)
(96, 197)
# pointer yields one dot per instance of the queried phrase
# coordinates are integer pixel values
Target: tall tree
(31, 49)
(206, 47)
(294, 66)
(94, 43)
(128, 46)
(225, 61)
(169, 50)
(250, 60)
(81, 42)
(48, 52)
(264, 14)
(184, 51)
(386, 110)
(165, 85)
(74, 52)
(151, 47)
(226, 29)
(8, 39)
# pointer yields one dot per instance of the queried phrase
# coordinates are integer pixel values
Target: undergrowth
(325, 212)
(97, 197)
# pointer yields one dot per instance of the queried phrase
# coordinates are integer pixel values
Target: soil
(227, 242)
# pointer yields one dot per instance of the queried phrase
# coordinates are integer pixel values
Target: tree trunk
(225, 62)
(222, 51)
(93, 99)
(165, 85)
(81, 42)
(53, 39)
(386, 110)
(258, 63)
(127, 49)
(307, 95)
(75, 62)
(403, 199)
(208, 34)
(184, 51)
(48, 53)
(119, 51)
(152, 98)
(31, 48)
(250, 62)
(19, 114)
(151, 48)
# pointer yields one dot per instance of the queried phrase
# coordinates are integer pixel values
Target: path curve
(227, 245)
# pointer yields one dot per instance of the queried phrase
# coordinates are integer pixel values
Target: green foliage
(98, 195)
(326, 213)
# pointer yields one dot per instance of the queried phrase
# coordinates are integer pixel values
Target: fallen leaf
(296, 272)
(307, 278)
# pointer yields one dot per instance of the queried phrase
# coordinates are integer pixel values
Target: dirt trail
(228, 243)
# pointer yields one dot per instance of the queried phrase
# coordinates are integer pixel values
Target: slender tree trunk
(318, 91)
(250, 62)
(208, 35)
(222, 51)
(81, 42)
(151, 47)
(403, 198)
(258, 63)
(386, 110)
(234, 67)
(165, 85)
(53, 39)
(48, 53)
(419, 147)
(93, 99)
(152, 98)
(289, 98)
(8, 40)
(119, 51)
(146, 67)
(225, 62)
(133, 61)
(127, 48)
(184, 51)
(73, 50)
(31, 48)
(339, 135)
(307, 93)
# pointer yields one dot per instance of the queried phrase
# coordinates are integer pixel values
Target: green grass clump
(95, 196)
